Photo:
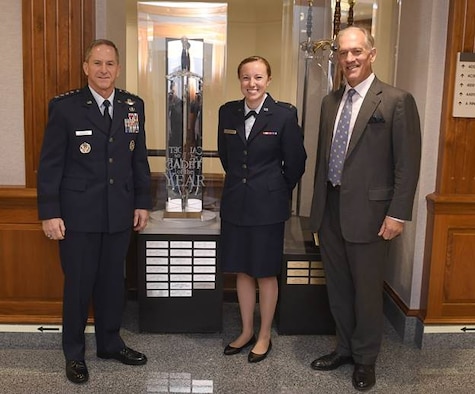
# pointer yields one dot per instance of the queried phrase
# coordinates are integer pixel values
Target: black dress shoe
(126, 356)
(76, 371)
(230, 350)
(363, 377)
(331, 361)
(255, 358)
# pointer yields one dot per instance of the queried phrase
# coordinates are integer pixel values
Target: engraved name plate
(205, 252)
(157, 260)
(181, 260)
(180, 252)
(157, 293)
(156, 252)
(317, 281)
(180, 269)
(157, 285)
(180, 293)
(181, 244)
(156, 244)
(297, 272)
(297, 264)
(156, 278)
(317, 273)
(316, 264)
(205, 244)
(204, 260)
(180, 278)
(180, 285)
(204, 285)
(203, 278)
(157, 269)
(204, 269)
(297, 281)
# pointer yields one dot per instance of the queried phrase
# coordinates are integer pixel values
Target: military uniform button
(244, 180)
(111, 160)
(244, 165)
(111, 139)
(111, 181)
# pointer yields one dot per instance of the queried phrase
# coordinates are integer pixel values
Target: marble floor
(32, 362)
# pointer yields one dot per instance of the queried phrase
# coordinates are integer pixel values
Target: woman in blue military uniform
(261, 149)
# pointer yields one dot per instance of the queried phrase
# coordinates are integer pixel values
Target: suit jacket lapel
(238, 114)
(120, 112)
(261, 119)
(93, 113)
(331, 119)
(370, 103)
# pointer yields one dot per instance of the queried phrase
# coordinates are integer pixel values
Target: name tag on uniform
(269, 132)
(230, 131)
(80, 133)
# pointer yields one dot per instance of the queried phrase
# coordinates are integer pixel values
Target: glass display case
(181, 68)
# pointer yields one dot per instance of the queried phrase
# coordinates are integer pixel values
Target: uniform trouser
(354, 275)
(93, 267)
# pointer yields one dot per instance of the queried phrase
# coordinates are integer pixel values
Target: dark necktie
(249, 114)
(106, 114)
(340, 141)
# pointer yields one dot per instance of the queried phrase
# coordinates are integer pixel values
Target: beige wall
(385, 31)
(420, 70)
(12, 146)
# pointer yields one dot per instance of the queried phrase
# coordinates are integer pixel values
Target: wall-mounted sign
(464, 91)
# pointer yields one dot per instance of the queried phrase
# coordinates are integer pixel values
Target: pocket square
(376, 118)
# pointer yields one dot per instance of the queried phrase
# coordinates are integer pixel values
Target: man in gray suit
(366, 177)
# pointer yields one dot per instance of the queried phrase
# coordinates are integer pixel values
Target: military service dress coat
(91, 177)
(262, 170)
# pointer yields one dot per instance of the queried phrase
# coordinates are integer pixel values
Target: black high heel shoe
(255, 358)
(230, 350)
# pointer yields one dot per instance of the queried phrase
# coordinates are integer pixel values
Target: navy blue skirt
(253, 250)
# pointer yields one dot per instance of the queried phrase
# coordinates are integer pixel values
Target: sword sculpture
(184, 145)
(311, 47)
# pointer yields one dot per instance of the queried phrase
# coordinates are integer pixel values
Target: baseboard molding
(404, 320)
(412, 330)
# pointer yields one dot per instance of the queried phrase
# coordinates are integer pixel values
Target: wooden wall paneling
(30, 273)
(39, 274)
(29, 61)
(460, 271)
(451, 288)
(448, 292)
(448, 289)
(456, 158)
(55, 35)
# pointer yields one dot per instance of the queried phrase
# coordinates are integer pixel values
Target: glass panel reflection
(181, 67)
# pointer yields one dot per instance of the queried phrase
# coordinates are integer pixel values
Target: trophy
(184, 159)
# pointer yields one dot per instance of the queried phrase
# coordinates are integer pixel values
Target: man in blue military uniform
(93, 188)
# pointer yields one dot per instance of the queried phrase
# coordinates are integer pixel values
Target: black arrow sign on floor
(47, 329)
(465, 329)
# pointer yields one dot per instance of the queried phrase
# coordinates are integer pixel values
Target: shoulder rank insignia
(67, 94)
(127, 92)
